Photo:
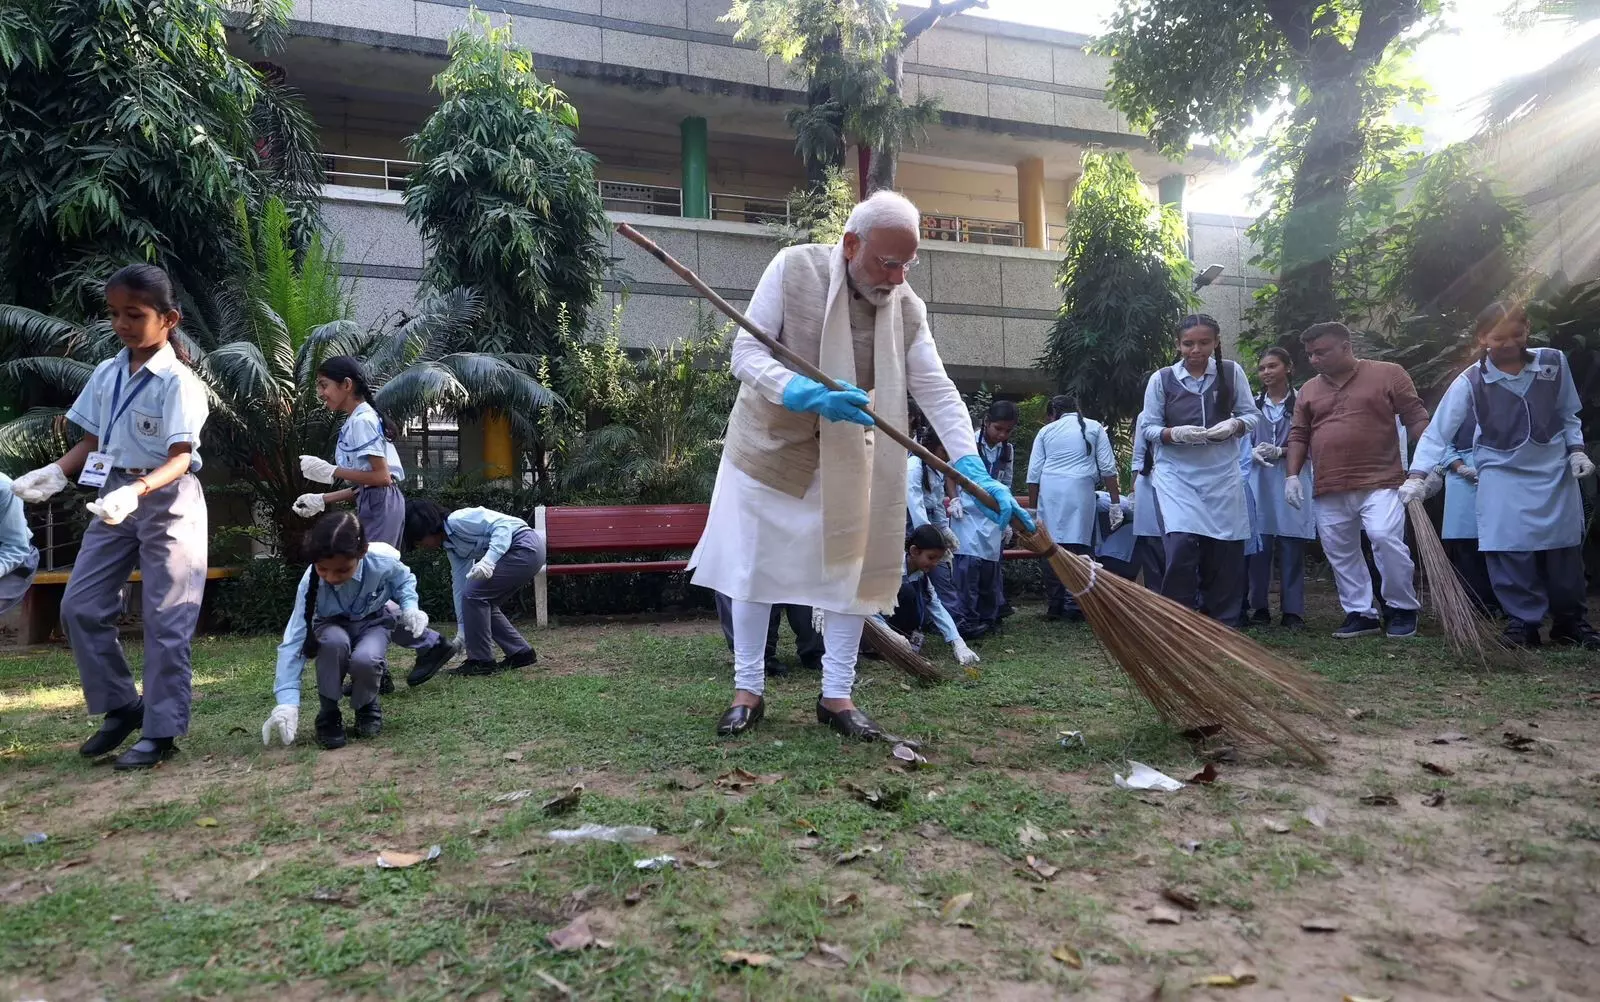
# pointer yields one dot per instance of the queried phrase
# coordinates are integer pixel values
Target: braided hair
(928, 439)
(1283, 356)
(338, 534)
(1062, 405)
(1224, 392)
(342, 367)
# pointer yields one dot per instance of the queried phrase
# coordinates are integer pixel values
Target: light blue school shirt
(470, 534)
(1146, 512)
(380, 578)
(977, 536)
(1068, 463)
(935, 608)
(926, 507)
(138, 418)
(1528, 499)
(1199, 487)
(361, 438)
(16, 539)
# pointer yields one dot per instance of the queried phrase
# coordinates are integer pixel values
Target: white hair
(883, 208)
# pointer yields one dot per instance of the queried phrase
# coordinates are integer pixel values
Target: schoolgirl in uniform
(18, 558)
(1528, 454)
(925, 505)
(1284, 531)
(1459, 530)
(141, 413)
(1194, 410)
(1149, 557)
(1115, 548)
(1071, 457)
(364, 455)
(491, 556)
(918, 603)
(344, 613)
(980, 591)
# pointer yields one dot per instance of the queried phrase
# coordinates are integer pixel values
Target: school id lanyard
(135, 385)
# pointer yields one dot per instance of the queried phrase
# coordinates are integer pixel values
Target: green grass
(132, 897)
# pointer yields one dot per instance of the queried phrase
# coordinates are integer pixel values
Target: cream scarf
(863, 485)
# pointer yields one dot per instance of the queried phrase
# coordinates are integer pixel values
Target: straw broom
(1195, 671)
(897, 650)
(1466, 630)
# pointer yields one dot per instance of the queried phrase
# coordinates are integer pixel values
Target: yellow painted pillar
(1030, 203)
(499, 457)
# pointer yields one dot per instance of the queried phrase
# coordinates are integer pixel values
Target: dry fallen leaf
(501, 864)
(1067, 955)
(1437, 769)
(512, 756)
(883, 800)
(1356, 714)
(833, 956)
(735, 830)
(1206, 775)
(739, 779)
(554, 982)
(855, 854)
(564, 804)
(1316, 815)
(389, 860)
(1183, 899)
(327, 896)
(928, 830)
(810, 842)
(1030, 834)
(180, 895)
(1225, 755)
(1449, 737)
(512, 797)
(736, 959)
(1320, 925)
(845, 902)
(1042, 868)
(685, 780)
(1236, 980)
(67, 864)
(1162, 915)
(1434, 799)
(1274, 825)
(206, 822)
(1517, 742)
(575, 935)
(1189, 847)
(1380, 800)
(908, 755)
(953, 908)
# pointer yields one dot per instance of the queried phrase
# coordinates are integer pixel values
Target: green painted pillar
(1171, 189)
(696, 193)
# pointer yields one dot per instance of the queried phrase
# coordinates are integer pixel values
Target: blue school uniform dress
(18, 558)
(925, 506)
(1149, 537)
(977, 562)
(1284, 531)
(917, 604)
(1200, 487)
(382, 510)
(353, 622)
(1070, 456)
(1116, 549)
(471, 535)
(1529, 509)
(136, 418)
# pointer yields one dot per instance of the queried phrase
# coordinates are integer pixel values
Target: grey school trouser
(1544, 582)
(382, 511)
(357, 647)
(165, 538)
(1289, 554)
(481, 618)
(15, 585)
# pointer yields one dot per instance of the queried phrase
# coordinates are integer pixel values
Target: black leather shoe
(1260, 617)
(430, 660)
(369, 720)
(526, 659)
(1518, 635)
(385, 681)
(330, 725)
(811, 662)
(850, 723)
(472, 666)
(1578, 634)
(147, 754)
(1292, 623)
(736, 719)
(114, 729)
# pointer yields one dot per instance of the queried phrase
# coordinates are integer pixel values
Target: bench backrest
(630, 527)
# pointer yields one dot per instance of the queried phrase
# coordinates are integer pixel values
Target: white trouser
(840, 633)
(1341, 517)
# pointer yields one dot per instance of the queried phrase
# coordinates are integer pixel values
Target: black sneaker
(1402, 623)
(1261, 617)
(1006, 611)
(1519, 636)
(385, 681)
(1579, 634)
(369, 720)
(330, 725)
(473, 666)
(526, 659)
(1358, 625)
(430, 660)
(1292, 623)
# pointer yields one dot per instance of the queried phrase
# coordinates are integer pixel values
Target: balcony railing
(660, 200)
(367, 172)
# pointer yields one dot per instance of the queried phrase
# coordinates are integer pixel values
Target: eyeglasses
(890, 264)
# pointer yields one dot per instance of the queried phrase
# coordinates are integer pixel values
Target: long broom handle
(808, 370)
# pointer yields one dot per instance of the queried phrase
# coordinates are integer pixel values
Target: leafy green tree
(851, 57)
(130, 132)
(1125, 284)
(504, 195)
(1326, 69)
(817, 214)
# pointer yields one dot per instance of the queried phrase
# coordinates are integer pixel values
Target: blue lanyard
(134, 387)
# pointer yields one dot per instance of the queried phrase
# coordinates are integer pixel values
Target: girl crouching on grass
(343, 619)
(491, 556)
(918, 602)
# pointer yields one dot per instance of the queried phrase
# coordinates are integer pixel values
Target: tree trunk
(817, 95)
(885, 158)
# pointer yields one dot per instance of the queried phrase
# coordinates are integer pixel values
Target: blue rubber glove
(972, 468)
(807, 396)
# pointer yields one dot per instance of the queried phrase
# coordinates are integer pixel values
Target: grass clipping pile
(1195, 671)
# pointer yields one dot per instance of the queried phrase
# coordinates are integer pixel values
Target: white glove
(316, 469)
(955, 509)
(1266, 453)
(1580, 464)
(1007, 536)
(1131, 502)
(41, 484)
(1224, 430)
(413, 621)
(286, 719)
(1467, 473)
(309, 505)
(1116, 516)
(115, 506)
(483, 570)
(1421, 488)
(951, 543)
(1294, 492)
(1188, 434)
(964, 654)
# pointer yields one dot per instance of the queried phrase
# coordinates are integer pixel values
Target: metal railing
(367, 172)
(749, 208)
(971, 230)
(649, 199)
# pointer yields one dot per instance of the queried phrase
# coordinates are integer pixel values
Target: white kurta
(762, 545)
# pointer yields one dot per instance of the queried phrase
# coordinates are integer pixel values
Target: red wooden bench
(625, 528)
(41, 606)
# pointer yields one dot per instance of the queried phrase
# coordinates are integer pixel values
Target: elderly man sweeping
(810, 503)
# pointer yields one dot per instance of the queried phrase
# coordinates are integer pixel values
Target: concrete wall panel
(1021, 104)
(374, 233)
(671, 13)
(969, 279)
(1077, 68)
(958, 50)
(723, 62)
(377, 15)
(650, 52)
(558, 38)
(1029, 283)
(1024, 340)
(1012, 57)
(965, 96)
(703, 16)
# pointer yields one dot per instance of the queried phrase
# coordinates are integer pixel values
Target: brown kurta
(1350, 430)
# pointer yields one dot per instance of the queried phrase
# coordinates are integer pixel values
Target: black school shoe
(1260, 617)
(430, 660)
(1292, 623)
(1578, 634)
(526, 659)
(330, 725)
(146, 754)
(115, 728)
(369, 720)
(473, 667)
(1518, 635)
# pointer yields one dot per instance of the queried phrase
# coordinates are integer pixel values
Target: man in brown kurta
(1345, 419)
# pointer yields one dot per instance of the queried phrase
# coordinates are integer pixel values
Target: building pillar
(1030, 203)
(696, 192)
(1171, 189)
(499, 456)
